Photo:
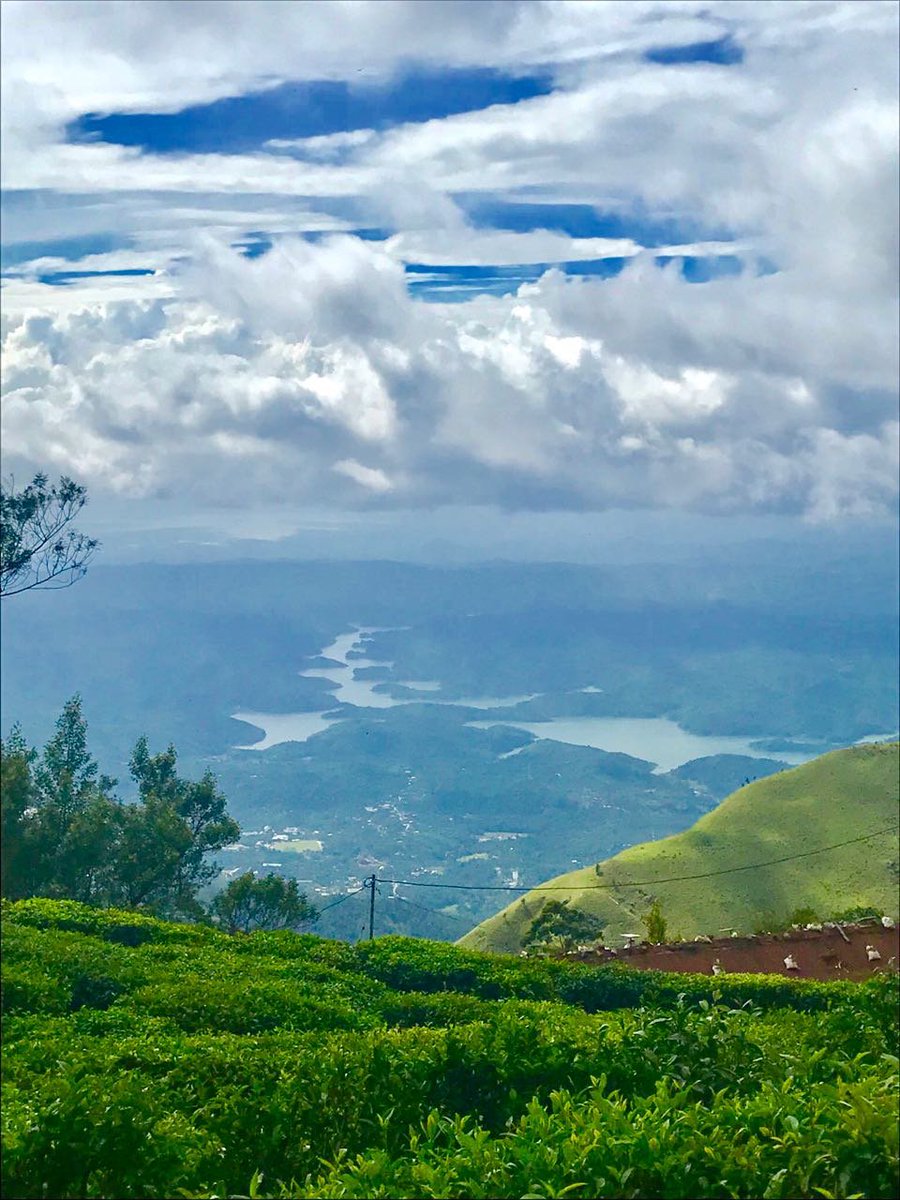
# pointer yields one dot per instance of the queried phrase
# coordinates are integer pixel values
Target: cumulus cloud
(309, 373)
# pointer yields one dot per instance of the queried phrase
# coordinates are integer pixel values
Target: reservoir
(657, 740)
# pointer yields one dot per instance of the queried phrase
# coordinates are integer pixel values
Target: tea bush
(182, 1061)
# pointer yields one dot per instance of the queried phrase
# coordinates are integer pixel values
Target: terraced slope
(833, 799)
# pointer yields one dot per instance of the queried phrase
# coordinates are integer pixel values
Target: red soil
(836, 952)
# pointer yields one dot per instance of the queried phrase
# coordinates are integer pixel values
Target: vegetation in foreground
(827, 802)
(148, 1059)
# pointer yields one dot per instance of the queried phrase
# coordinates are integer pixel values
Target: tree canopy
(558, 921)
(37, 549)
(248, 903)
(67, 834)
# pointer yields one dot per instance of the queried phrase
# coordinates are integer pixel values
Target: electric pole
(370, 883)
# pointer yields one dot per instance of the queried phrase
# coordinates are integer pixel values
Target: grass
(833, 799)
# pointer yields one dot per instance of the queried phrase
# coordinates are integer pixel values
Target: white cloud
(309, 373)
(372, 478)
(313, 366)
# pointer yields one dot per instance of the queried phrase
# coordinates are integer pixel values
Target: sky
(270, 267)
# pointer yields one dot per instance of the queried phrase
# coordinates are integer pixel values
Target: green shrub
(241, 1007)
(113, 924)
(188, 1064)
(94, 991)
(665, 1145)
(437, 1010)
(30, 990)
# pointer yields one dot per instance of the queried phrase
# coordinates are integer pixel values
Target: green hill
(146, 1059)
(835, 798)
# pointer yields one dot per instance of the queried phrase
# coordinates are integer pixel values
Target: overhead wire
(341, 900)
(466, 887)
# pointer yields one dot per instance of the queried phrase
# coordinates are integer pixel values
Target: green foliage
(198, 1004)
(777, 1143)
(36, 548)
(857, 912)
(655, 923)
(194, 1063)
(561, 923)
(248, 903)
(15, 796)
(170, 834)
(771, 922)
(65, 833)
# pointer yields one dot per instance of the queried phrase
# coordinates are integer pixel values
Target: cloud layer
(309, 374)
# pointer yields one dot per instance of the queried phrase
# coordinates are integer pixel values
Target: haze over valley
(485, 724)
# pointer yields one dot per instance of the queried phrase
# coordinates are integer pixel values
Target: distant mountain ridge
(830, 802)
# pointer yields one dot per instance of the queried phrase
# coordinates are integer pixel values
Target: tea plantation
(146, 1059)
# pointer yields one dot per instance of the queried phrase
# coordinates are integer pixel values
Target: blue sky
(274, 119)
(309, 109)
(266, 122)
(523, 253)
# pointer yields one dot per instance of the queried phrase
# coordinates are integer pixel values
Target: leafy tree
(16, 807)
(559, 920)
(168, 837)
(59, 816)
(37, 550)
(655, 923)
(66, 834)
(271, 903)
(67, 775)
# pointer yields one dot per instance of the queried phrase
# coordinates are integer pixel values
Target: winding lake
(656, 740)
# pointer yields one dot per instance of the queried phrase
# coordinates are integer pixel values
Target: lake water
(657, 740)
(348, 689)
(283, 727)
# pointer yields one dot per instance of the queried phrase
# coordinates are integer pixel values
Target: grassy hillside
(837, 797)
(143, 1059)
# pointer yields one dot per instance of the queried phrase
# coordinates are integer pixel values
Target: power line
(341, 900)
(465, 887)
(434, 911)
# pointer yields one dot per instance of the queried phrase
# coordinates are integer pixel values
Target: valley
(392, 716)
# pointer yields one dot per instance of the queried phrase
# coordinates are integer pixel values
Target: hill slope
(837, 797)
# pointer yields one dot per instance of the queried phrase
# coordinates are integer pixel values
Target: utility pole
(370, 883)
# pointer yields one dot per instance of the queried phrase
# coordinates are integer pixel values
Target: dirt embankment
(833, 952)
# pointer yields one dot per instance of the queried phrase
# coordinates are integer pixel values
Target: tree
(169, 835)
(558, 920)
(36, 548)
(655, 923)
(67, 841)
(67, 774)
(17, 807)
(66, 834)
(272, 903)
